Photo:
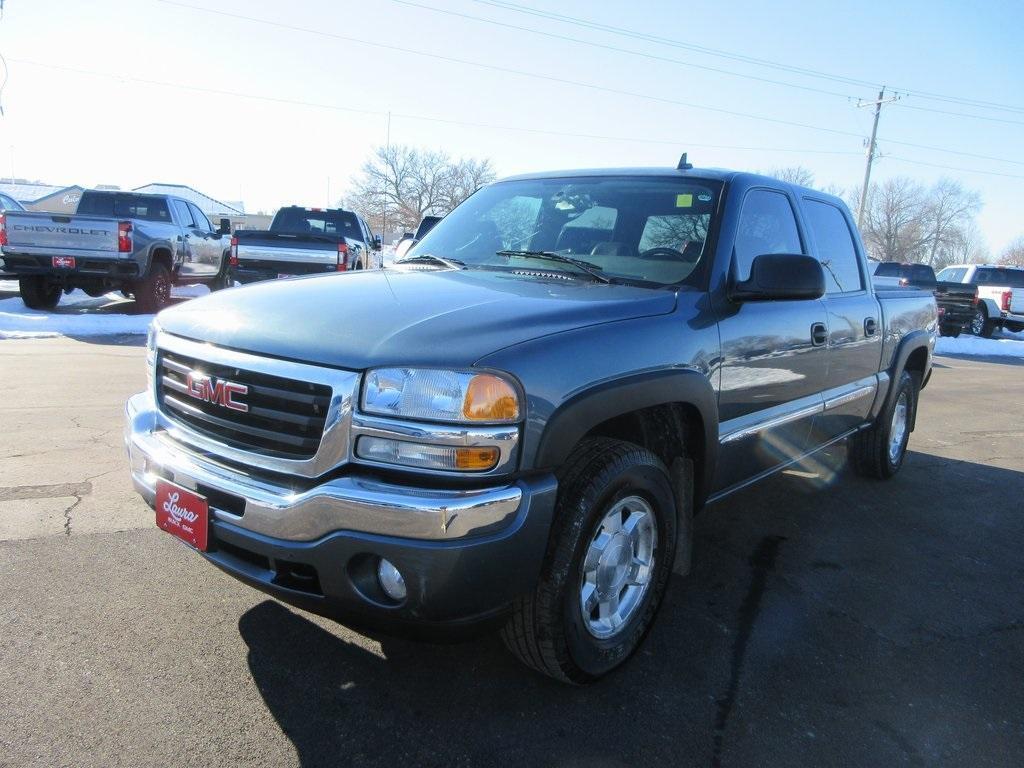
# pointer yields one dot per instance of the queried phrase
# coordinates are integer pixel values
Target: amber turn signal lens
(475, 458)
(490, 398)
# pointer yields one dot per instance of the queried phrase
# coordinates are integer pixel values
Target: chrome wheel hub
(618, 566)
(898, 428)
(977, 323)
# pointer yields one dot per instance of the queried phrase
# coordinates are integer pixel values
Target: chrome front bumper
(350, 503)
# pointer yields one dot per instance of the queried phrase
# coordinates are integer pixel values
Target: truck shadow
(809, 620)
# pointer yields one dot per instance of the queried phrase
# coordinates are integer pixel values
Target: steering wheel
(663, 253)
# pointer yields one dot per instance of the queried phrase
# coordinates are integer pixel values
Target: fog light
(391, 580)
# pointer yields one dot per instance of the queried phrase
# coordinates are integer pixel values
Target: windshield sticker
(684, 201)
(704, 197)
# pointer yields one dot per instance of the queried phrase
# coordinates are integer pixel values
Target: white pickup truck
(1000, 295)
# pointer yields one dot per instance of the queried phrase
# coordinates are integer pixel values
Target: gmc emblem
(216, 391)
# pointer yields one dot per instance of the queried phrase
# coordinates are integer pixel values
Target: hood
(358, 320)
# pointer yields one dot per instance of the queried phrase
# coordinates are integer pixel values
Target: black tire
(870, 451)
(547, 630)
(154, 293)
(37, 293)
(359, 265)
(949, 330)
(221, 281)
(981, 325)
(1015, 327)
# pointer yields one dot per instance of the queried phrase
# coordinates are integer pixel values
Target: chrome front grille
(282, 417)
(296, 417)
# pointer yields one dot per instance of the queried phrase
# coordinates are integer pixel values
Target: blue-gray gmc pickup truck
(515, 425)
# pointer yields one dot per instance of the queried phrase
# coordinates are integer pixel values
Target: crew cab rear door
(854, 320)
(202, 253)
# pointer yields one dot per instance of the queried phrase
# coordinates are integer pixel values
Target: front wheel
(37, 293)
(879, 450)
(609, 558)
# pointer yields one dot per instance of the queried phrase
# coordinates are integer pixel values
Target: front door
(774, 355)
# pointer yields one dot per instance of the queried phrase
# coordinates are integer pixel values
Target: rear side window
(767, 225)
(998, 276)
(183, 213)
(836, 250)
(124, 206)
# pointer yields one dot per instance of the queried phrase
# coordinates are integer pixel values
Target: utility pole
(871, 149)
(384, 202)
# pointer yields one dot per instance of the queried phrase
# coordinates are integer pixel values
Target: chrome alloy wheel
(898, 428)
(618, 566)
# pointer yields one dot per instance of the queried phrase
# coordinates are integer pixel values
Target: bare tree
(1013, 254)
(948, 211)
(401, 185)
(794, 174)
(893, 220)
(967, 247)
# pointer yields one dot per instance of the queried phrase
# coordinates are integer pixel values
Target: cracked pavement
(827, 621)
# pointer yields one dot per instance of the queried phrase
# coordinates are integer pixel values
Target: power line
(986, 118)
(603, 46)
(518, 8)
(877, 103)
(566, 81)
(952, 167)
(676, 142)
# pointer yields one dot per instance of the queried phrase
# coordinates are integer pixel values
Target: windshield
(649, 229)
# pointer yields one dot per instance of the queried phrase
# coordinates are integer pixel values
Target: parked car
(304, 241)
(565, 370)
(409, 239)
(1000, 295)
(140, 244)
(957, 302)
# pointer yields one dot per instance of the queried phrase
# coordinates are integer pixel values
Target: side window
(200, 218)
(836, 250)
(767, 225)
(183, 213)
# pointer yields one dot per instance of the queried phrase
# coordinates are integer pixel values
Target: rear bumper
(955, 315)
(329, 539)
(86, 267)
(272, 270)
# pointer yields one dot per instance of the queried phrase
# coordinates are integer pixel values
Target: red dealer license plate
(63, 262)
(183, 513)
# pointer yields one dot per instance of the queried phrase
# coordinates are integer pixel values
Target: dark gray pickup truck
(515, 426)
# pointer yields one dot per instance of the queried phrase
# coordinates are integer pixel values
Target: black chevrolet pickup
(555, 380)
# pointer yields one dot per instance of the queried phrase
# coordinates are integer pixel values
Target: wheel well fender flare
(990, 307)
(586, 410)
(909, 344)
(152, 252)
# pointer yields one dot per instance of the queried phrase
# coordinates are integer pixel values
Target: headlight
(438, 395)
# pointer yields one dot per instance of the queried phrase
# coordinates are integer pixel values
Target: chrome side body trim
(349, 503)
(771, 423)
(851, 396)
(334, 444)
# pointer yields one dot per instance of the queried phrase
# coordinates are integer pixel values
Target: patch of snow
(79, 314)
(1002, 344)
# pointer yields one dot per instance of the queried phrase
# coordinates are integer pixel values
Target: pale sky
(138, 91)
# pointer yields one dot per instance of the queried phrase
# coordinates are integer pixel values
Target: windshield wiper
(591, 269)
(431, 258)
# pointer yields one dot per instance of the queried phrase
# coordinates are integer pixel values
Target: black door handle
(870, 326)
(819, 334)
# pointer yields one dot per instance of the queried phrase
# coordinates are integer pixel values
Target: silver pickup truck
(139, 244)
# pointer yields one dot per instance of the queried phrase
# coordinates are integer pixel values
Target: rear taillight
(233, 258)
(975, 299)
(342, 257)
(124, 237)
(3, 229)
(1005, 299)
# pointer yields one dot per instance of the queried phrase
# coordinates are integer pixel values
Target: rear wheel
(608, 561)
(949, 330)
(981, 325)
(38, 293)
(154, 292)
(1015, 327)
(879, 451)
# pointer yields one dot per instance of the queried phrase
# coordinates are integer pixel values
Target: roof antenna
(683, 165)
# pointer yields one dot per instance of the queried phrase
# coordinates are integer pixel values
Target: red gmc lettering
(216, 391)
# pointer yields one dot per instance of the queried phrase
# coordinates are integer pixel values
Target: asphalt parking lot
(827, 621)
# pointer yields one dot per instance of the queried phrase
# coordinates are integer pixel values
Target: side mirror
(781, 277)
(225, 227)
(376, 242)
